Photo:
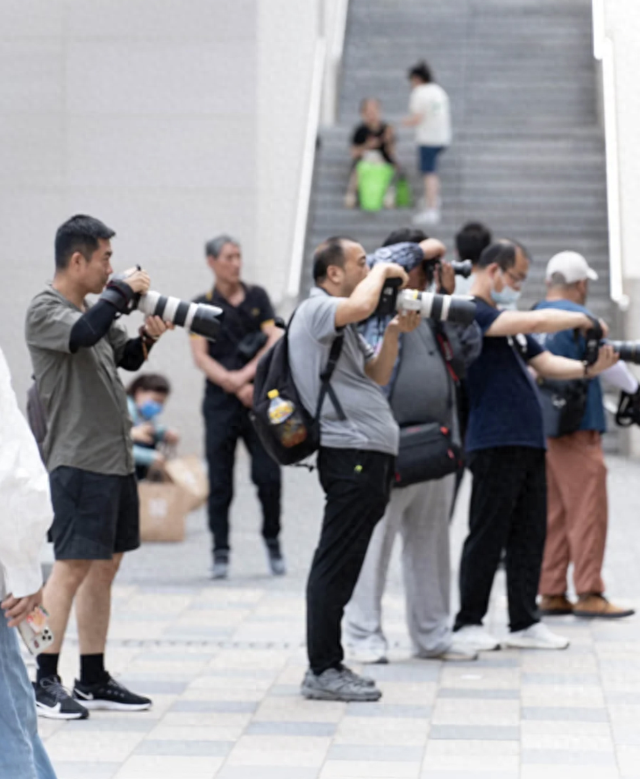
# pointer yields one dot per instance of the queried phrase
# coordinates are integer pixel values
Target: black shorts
(95, 515)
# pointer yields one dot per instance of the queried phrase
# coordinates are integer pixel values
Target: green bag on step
(373, 181)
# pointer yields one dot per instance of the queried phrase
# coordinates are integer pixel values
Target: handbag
(563, 405)
(427, 452)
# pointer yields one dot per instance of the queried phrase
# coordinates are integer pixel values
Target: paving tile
(69, 770)
(323, 729)
(187, 747)
(377, 753)
(113, 725)
(470, 692)
(427, 671)
(153, 686)
(382, 710)
(565, 713)
(568, 757)
(452, 711)
(231, 707)
(351, 769)
(472, 774)
(563, 678)
(266, 772)
(169, 767)
(568, 772)
(475, 732)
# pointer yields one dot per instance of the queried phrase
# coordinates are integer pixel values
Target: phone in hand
(35, 631)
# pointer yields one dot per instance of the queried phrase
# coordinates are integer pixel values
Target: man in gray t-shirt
(356, 458)
(76, 350)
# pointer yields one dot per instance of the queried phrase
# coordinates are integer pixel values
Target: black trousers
(508, 511)
(227, 420)
(357, 486)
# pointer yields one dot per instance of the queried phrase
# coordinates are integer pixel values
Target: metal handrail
(604, 51)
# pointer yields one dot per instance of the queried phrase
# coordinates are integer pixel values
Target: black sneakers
(109, 694)
(54, 702)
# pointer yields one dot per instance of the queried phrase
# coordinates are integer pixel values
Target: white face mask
(507, 297)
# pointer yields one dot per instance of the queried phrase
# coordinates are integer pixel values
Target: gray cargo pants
(421, 514)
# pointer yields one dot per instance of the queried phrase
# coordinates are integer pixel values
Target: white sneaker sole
(47, 713)
(530, 643)
(113, 706)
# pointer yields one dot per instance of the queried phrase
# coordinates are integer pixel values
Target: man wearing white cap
(576, 471)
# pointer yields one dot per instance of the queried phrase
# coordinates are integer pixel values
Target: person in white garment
(24, 520)
(430, 115)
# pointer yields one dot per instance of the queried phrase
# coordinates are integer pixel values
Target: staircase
(528, 153)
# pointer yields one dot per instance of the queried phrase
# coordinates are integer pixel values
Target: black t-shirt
(362, 133)
(237, 323)
(504, 406)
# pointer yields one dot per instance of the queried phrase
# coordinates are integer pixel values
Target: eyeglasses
(517, 280)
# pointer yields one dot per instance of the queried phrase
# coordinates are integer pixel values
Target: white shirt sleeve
(24, 494)
(621, 377)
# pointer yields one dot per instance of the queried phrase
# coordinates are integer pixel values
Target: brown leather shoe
(555, 605)
(594, 605)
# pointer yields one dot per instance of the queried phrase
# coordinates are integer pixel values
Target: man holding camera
(576, 471)
(76, 350)
(359, 442)
(24, 487)
(247, 330)
(506, 448)
(422, 394)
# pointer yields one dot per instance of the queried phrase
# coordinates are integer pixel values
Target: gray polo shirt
(424, 390)
(88, 423)
(370, 424)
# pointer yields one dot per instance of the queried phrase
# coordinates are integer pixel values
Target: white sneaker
(537, 636)
(367, 655)
(431, 216)
(475, 638)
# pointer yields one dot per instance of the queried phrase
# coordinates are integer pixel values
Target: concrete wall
(171, 122)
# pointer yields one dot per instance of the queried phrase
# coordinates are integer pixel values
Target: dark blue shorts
(428, 158)
(95, 515)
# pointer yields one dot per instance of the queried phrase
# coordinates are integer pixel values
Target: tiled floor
(223, 663)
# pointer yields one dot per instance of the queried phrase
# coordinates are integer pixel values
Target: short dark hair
(504, 252)
(422, 71)
(405, 235)
(81, 234)
(149, 382)
(214, 247)
(330, 252)
(472, 240)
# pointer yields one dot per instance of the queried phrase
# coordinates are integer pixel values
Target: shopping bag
(190, 474)
(404, 197)
(373, 181)
(164, 506)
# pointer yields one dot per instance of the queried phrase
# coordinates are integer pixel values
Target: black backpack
(274, 373)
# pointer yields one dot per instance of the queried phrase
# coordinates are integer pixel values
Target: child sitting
(147, 396)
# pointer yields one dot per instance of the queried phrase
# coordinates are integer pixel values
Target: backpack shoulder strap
(325, 377)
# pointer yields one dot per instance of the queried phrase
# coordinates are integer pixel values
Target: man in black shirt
(229, 364)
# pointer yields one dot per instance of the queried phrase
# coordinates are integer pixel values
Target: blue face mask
(150, 409)
(508, 297)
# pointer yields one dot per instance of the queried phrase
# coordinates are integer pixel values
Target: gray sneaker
(220, 567)
(334, 685)
(366, 681)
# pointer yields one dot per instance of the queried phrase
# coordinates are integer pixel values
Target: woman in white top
(430, 115)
